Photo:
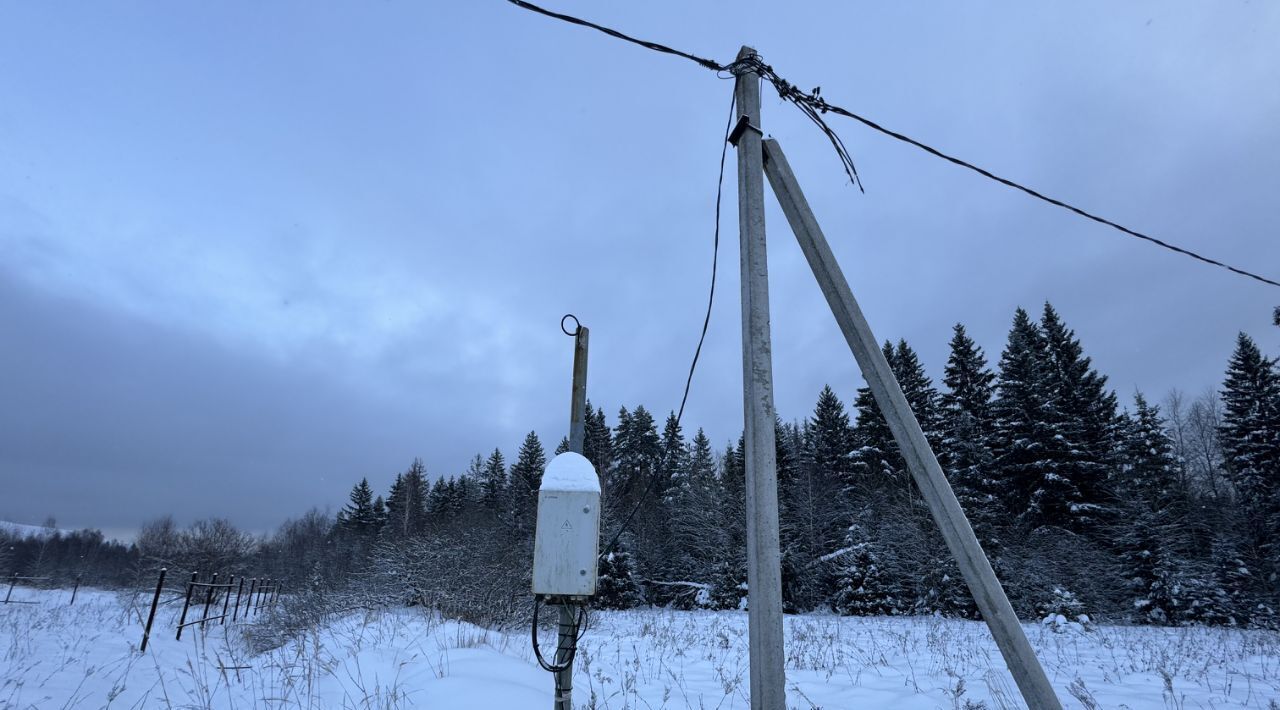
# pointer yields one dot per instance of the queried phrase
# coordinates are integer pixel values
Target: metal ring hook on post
(577, 326)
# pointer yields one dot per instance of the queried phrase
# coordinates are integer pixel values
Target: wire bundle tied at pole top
(815, 107)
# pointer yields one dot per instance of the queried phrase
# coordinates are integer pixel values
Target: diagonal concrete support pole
(935, 489)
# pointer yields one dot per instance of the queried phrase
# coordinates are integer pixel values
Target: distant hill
(21, 530)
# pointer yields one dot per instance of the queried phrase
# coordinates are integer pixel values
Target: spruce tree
(865, 584)
(1151, 472)
(830, 440)
(357, 516)
(919, 391)
(878, 464)
(675, 453)
(1250, 436)
(875, 454)
(1087, 423)
(637, 451)
(597, 441)
(655, 544)
(798, 582)
(691, 499)
(526, 478)
(493, 482)
(617, 586)
(407, 501)
(967, 453)
(531, 461)
(466, 495)
(1029, 451)
(1233, 599)
(440, 502)
(814, 499)
(475, 468)
(729, 571)
(636, 484)
(1152, 539)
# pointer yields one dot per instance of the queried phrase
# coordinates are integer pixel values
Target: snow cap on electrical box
(570, 472)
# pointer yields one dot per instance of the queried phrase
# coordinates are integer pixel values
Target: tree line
(1141, 513)
(1164, 514)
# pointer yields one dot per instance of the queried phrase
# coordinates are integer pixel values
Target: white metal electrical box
(567, 540)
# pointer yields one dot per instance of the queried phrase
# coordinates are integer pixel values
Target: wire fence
(217, 601)
(13, 582)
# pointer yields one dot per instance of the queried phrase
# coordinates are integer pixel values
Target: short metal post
(235, 611)
(186, 603)
(12, 581)
(226, 600)
(74, 590)
(155, 602)
(208, 599)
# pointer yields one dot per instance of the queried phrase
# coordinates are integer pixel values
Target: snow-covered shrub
(1062, 611)
(864, 586)
(617, 586)
(728, 587)
(942, 590)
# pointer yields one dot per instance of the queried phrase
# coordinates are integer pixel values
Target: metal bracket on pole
(744, 123)
(921, 461)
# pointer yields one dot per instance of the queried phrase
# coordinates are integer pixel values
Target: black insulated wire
(706, 322)
(815, 107)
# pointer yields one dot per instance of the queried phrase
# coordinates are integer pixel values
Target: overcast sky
(251, 252)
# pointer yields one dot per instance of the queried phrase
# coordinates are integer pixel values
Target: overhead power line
(815, 107)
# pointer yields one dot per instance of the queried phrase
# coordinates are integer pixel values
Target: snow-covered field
(58, 656)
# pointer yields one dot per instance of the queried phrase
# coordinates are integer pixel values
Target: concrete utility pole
(764, 561)
(921, 461)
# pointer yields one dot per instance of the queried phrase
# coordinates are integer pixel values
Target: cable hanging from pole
(580, 630)
(706, 322)
(814, 107)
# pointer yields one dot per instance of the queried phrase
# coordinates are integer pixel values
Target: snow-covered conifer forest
(1138, 538)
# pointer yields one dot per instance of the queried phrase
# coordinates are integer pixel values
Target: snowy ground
(55, 656)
